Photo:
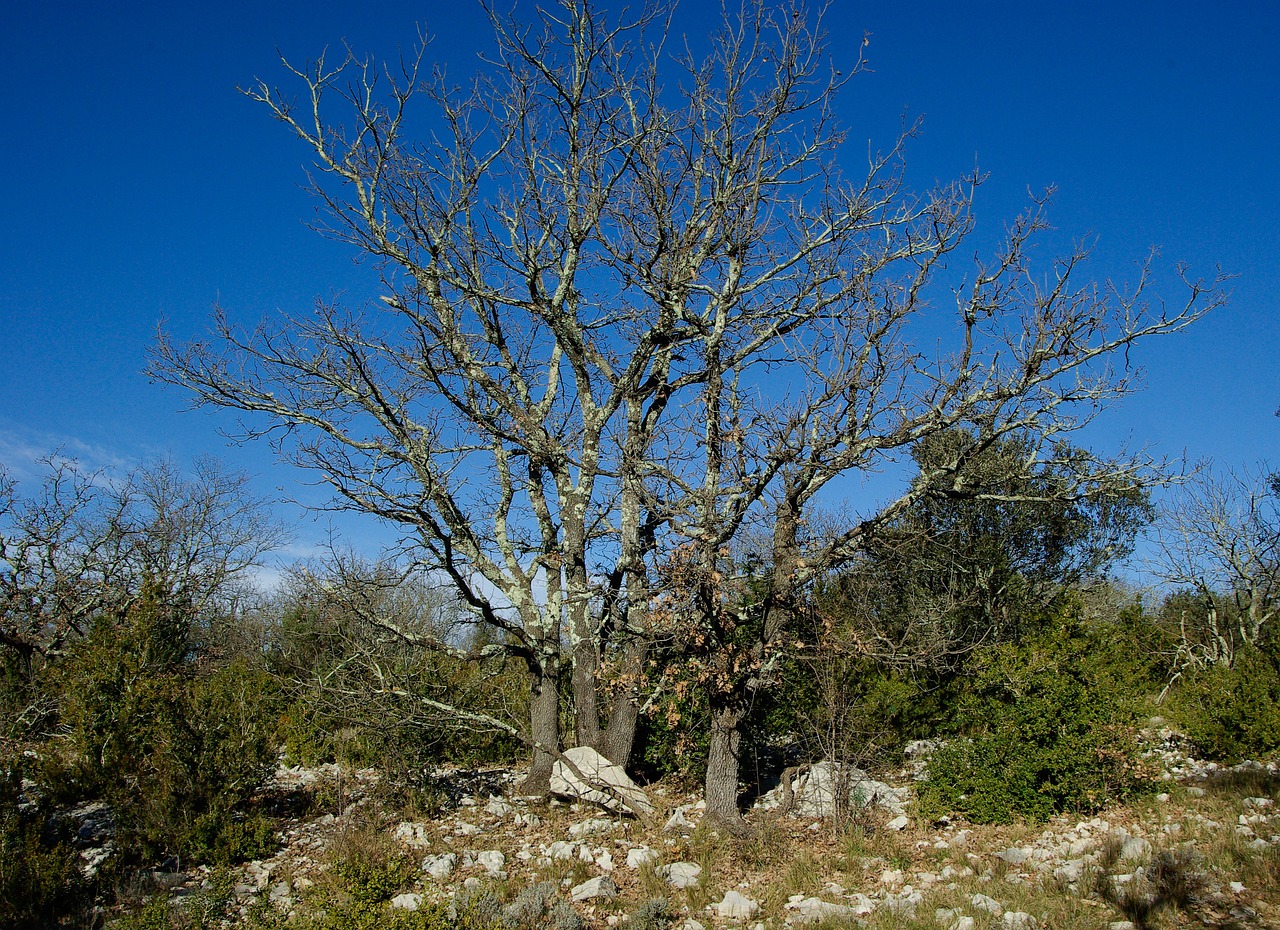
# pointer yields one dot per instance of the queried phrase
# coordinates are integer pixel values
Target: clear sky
(140, 185)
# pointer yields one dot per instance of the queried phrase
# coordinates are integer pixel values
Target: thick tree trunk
(586, 695)
(722, 768)
(544, 728)
(619, 737)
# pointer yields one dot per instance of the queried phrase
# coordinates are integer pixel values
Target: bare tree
(372, 647)
(633, 307)
(85, 547)
(1219, 536)
(87, 542)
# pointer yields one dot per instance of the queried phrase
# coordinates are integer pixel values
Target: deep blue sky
(141, 185)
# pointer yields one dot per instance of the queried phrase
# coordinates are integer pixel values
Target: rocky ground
(1204, 852)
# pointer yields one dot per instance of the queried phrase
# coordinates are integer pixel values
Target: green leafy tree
(988, 545)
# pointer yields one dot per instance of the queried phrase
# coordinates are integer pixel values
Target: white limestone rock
(1015, 855)
(562, 850)
(441, 866)
(678, 822)
(594, 827)
(990, 905)
(736, 906)
(815, 791)
(812, 910)
(584, 773)
(498, 807)
(641, 856)
(681, 874)
(413, 835)
(602, 886)
(1135, 848)
(409, 901)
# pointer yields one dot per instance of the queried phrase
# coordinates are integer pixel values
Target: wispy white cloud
(23, 451)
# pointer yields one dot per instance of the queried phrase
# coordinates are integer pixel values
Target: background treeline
(142, 667)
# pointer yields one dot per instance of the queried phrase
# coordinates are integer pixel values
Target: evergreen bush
(1232, 712)
(1047, 726)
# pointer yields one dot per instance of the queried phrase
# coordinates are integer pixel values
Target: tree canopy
(635, 305)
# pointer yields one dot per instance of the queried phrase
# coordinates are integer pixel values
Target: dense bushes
(363, 695)
(1047, 726)
(39, 881)
(175, 744)
(1232, 712)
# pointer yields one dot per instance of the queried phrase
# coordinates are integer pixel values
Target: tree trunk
(722, 767)
(544, 727)
(619, 737)
(586, 695)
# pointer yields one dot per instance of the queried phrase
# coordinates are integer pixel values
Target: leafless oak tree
(86, 546)
(632, 306)
(1219, 536)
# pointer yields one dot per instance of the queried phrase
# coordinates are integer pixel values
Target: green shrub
(653, 914)
(1047, 728)
(177, 746)
(155, 914)
(39, 882)
(1232, 712)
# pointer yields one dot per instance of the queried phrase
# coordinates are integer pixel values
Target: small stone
(1236, 887)
(594, 827)
(1018, 920)
(561, 850)
(678, 822)
(1014, 855)
(498, 807)
(1080, 847)
(736, 906)
(493, 862)
(440, 866)
(681, 874)
(641, 856)
(409, 901)
(412, 834)
(1134, 848)
(1070, 871)
(812, 910)
(898, 823)
(990, 905)
(602, 886)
